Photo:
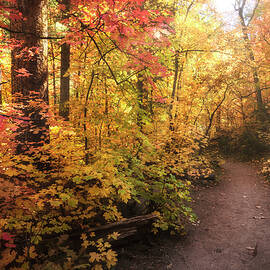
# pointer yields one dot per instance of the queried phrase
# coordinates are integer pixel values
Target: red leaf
(7, 237)
(8, 245)
(23, 72)
(2, 122)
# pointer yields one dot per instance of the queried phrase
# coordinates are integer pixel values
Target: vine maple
(150, 83)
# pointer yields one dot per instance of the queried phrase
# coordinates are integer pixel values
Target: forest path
(234, 219)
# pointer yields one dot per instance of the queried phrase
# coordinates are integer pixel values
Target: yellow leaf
(111, 258)
(20, 259)
(92, 234)
(107, 245)
(111, 255)
(56, 203)
(83, 236)
(40, 204)
(32, 253)
(85, 244)
(114, 235)
(7, 257)
(94, 257)
(97, 267)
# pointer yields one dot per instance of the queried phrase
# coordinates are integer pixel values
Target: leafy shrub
(223, 142)
(249, 144)
(246, 143)
(52, 210)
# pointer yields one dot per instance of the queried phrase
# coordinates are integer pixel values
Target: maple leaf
(94, 257)
(2, 122)
(7, 237)
(114, 235)
(23, 72)
(31, 252)
(111, 258)
(160, 99)
(7, 257)
(9, 245)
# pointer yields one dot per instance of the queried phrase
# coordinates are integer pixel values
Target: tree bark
(176, 71)
(140, 112)
(29, 73)
(32, 54)
(1, 101)
(65, 78)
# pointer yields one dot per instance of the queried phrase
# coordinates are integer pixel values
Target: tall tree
(245, 20)
(65, 78)
(29, 70)
(0, 87)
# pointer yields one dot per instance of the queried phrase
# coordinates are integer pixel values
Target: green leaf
(73, 202)
(77, 180)
(64, 196)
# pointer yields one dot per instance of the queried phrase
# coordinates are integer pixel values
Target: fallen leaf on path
(262, 217)
(254, 250)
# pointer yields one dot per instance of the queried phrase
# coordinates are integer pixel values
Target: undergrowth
(48, 215)
(245, 143)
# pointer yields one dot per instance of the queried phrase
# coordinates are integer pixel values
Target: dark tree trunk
(176, 72)
(140, 102)
(65, 78)
(31, 92)
(1, 88)
(53, 75)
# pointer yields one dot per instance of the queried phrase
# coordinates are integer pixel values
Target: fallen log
(139, 220)
(126, 227)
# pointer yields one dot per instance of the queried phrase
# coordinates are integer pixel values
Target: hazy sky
(226, 8)
(225, 5)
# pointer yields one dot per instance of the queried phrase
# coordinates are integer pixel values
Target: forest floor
(233, 233)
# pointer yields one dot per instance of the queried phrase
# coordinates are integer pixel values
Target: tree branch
(253, 12)
(266, 40)
(188, 9)
(213, 113)
(254, 92)
(27, 33)
(201, 50)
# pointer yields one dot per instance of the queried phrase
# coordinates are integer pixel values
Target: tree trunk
(140, 112)
(65, 79)
(176, 71)
(250, 55)
(1, 102)
(53, 75)
(29, 72)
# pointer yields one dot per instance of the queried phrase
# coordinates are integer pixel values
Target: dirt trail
(235, 217)
(234, 229)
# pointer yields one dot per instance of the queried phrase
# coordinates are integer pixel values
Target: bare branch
(213, 113)
(254, 92)
(188, 9)
(266, 40)
(253, 12)
(201, 50)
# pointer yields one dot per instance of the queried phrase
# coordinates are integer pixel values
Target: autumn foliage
(150, 83)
